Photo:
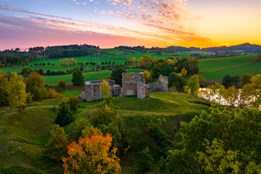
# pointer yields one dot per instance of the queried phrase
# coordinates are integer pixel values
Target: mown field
(23, 136)
(217, 68)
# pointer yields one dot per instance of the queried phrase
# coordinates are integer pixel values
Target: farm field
(53, 80)
(217, 68)
(23, 136)
(212, 68)
(108, 55)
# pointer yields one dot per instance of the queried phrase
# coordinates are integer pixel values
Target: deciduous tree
(216, 159)
(17, 92)
(193, 85)
(116, 75)
(176, 81)
(92, 154)
(184, 72)
(4, 86)
(105, 89)
(35, 84)
(77, 78)
(147, 76)
(146, 62)
(61, 84)
(73, 102)
(231, 95)
(56, 147)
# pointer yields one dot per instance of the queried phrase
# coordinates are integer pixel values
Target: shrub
(73, 102)
(61, 84)
(56, 147)
(64, 115)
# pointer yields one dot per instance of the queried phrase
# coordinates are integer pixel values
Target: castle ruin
(133, 84)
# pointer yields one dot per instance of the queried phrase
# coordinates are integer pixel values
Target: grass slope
(22, 140)
(217, 68)
(23, 135)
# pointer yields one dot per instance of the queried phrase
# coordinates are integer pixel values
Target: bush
(3, 97)
(61, 84)
(56, 147)
(116, 75)
(73, 102)
(64, 115)
(77, 78)
(52, 93)
(176, 81)
(145, 161)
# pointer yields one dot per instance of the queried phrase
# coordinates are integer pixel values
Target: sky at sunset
(109, 23)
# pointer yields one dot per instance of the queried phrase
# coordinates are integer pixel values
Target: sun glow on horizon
(197, 23)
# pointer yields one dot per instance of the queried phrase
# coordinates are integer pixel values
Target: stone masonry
(129, 84)
(92, 89)
(133, 84)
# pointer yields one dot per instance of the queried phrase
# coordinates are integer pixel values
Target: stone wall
(129, 84)
(92, 90)
(164, 83)
(142, 88)
(133, 84)
(160, 86)
(116, 90)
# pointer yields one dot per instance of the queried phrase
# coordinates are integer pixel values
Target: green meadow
(97, 75)
(217, 68)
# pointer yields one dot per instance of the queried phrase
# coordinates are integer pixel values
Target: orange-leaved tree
(92, 154)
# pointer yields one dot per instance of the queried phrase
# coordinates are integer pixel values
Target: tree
(26, 71)
(64, 115)
(233, 134)
(193, 85)
(176, 81)
(161, 67)
(184, 72)
(68, 62)
(35, 84)
(147, 76)
(73, 102)
(116, 75)
(107, 120)
(146, 62)
(246, 78)
(61, 84)
(190, 64)
(92, 154)
(251, 92)
(77, 78)
(216, 91)
(218, 160)
(228, 81)
(4, 87)
(105, 89)
(56, 147)
(146, 161)
(231, 95)
(17, 92)
(133, 61)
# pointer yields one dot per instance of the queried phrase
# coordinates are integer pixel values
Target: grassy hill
(23, 136)
(217, 68)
